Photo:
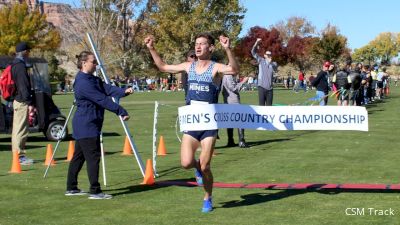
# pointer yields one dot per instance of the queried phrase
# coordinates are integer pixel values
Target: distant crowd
(366, 74)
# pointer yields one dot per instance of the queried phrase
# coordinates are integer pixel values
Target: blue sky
(359, 21)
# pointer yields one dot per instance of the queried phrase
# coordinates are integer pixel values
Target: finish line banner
(215, 116)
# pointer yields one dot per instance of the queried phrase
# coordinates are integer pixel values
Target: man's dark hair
(208, 36)
(83, 56)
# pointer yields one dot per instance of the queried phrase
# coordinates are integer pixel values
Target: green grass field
(275, 157)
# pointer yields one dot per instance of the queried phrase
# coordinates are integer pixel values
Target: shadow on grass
(256, 143)
(141, 188)
(166, 172)
(7, 173)
(30, 139)
(258, 198)
(6, 139)
(373, 111)
(7, 147)
(110, 134)
(38, 139)
(111, 153)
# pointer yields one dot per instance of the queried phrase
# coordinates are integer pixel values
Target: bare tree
(94, 17)
(294, 26)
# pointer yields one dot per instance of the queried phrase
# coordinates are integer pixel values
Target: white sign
(216, 116)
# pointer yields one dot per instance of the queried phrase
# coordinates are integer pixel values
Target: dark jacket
(356, 79)
(342, 80)
(22, 81)
(92, 97)
(321, 82)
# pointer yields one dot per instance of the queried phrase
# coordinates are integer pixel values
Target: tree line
(119, 27)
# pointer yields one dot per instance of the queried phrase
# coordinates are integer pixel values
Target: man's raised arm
(161, 65)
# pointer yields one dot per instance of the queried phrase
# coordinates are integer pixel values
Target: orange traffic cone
(127, 147)
(161, 147)
(49, 154)
(16, 166)
(71, 150)
(149, 175)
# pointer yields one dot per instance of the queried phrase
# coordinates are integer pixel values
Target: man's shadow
(258, 198)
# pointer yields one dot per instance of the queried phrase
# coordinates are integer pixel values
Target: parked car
(48, 118)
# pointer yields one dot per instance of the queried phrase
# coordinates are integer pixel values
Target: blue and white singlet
(201, 87)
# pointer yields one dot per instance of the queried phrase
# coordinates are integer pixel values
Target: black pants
(265, 96)
(85, 149)
(230, 135)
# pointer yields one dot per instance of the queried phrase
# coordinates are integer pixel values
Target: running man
(205, 76)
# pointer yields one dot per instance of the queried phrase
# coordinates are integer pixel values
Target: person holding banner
(204, 75)
(230, 92)
(92, 97)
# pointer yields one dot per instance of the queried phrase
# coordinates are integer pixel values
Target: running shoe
(207, 206)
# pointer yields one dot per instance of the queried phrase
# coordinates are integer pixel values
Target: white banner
(216, 116)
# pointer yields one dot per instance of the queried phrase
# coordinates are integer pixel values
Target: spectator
(288, 81)
(331, 72)
(301, 82)
(379, 82)
(250, 83)
(230, 92)
(341, 82)
(321, 83)
(265, 76)
(355, 87)
(22, 104)
(374, 74)
(365, 83)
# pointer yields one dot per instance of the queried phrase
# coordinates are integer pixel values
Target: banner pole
(126, 130)
(155, 138)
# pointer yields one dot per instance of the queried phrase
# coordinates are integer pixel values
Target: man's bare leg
(188, 149)
(207, 149)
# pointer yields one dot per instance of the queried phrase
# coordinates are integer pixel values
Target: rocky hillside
(58, 15)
